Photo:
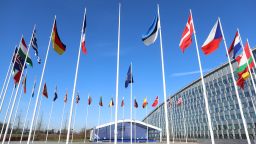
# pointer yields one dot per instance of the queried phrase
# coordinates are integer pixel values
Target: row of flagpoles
(20, 59)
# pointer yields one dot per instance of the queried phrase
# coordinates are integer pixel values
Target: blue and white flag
(129, 77)
(235, 46)
(55, 94)
(34, 45)
(152, 33)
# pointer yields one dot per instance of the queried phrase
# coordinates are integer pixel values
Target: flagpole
(131, 103)
(15, 96)
(26, 114)
(184, 123)
(74, 87)
(204, 89)
(236, 90)
(135, 126)
(8, 72)
(74, 124)
(40, 84)
(159, 119)
(14, 119)
(37, 117)
(123, 125)
(48, 125)
(117, 74)
(86, 120)
(110, 124)
(163, 75)
(98, 124)
(147, 119)
(251, 55)
(6, 113)
(63, 110)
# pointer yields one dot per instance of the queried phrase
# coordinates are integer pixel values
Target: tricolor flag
(77, 98)
(23, 52)
(35, 46)
(83, 35)
(45, 93)
(213, 40)
(129, 77)
(186, 38)
(66, 97)
(57, 44)
(235, 46)
(122, 103)
(55, 94)
(155, 102)
(101, 103)
(16, 76)
(179, 101)
(25, 84)
(89, 100)
(145, 103)
(152, 33)
(111, 103)
(135, 103)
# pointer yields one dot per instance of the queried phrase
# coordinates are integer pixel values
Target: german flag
(57, 44)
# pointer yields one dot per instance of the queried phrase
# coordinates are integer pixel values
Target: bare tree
(40, 123)
(18, 122)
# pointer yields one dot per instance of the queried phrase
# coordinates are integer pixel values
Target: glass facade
(189, 119)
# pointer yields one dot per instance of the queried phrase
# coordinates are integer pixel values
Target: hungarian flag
(45, 93)
(83, 35)
(55, 94)
(66, 97)
(122, 103)
(135, 103)
(25, 84)
(111, 103)
(179, 101)
(213, 40)
(101, 103)
(145, 103)
(23, 52)
(34, 46)
(57, 44)
(77, 98)
(235, 46)
(186, 38)
(155, 102)
(89, 100)
(152, 33)
(129, 77)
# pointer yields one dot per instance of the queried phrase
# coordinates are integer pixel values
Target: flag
(101, 103)
(242, 78)
(145, 103)
(155, 102)
(23, 52)
(129, 77)
(89, 100)
(111, 103)
(235, 46)
(33, 90)
(213, 40)
(55, 94)
(179, 101)
(83, 36)
(135, 103)
(66, 97)
(77, 98)
(45, 93)
(58, 46)
(152, 33)
(35, 46)
(16, 76)
(122, 103)
(24, 84)
(186, 38)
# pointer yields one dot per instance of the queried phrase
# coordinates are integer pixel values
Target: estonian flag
(152, 33)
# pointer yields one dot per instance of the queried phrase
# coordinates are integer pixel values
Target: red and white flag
(83, 35)
(186, 38)
(179, 101)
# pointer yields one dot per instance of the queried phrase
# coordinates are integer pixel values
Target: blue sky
(97, 72)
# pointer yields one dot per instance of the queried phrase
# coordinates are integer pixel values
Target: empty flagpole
(236, 90)
(204, 89)
(74, 121)
(74, 87)
(117, 74)
(63, 110)
(135, 125)
(17, 108)
(15, 96)
(159, 118)
(6, 113)
(163, 75)
(131, 103)
(26, 116)
(48, 125)
(123, 124)
(40, 84)
(86, 118)
(110, 123)
(98, 124)
(147, 118)
(8, 72)
(37, 117)
(184, 123)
